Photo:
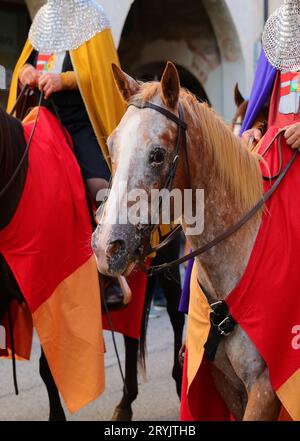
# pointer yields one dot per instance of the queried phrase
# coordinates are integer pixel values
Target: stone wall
(217, 41)
(34, 5)
(175, 30)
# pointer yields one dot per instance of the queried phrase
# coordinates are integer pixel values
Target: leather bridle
(181, 139)
(168, 185)
(181, 135)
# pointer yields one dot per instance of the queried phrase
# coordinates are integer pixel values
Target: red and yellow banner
(266, 302)
(47, 246)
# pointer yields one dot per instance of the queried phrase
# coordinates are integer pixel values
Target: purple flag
(261, 90)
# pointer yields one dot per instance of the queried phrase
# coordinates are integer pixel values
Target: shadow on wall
(170, 30)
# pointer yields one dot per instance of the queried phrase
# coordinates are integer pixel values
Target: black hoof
(58, 415)
(122, 414)
(177, 376)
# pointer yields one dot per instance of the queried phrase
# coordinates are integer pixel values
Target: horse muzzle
(115, 250)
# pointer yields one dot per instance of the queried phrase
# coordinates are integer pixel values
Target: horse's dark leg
(123, 411)
(56, 410)
(177, 321)
(172, 289)
(134, 352)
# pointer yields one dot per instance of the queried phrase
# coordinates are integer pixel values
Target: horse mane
(236, 167)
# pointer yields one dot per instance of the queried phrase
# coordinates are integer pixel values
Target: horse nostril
(115, 248)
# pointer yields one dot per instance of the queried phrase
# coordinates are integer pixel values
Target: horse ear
(127, 85)
(238, 97)
(170, 86)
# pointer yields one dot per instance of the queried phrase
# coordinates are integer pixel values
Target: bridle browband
(182, 128)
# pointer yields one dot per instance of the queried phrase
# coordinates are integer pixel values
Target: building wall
(215, 58)
(34, 6)
(14, 24)
(149, 39)
(274, 4)
(237, 27)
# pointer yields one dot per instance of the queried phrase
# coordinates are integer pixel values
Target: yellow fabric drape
(15, 78)
(198, 327)
(68, 81)
(92, 63)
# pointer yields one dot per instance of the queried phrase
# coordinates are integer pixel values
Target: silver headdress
(63, 25)
(281, 37)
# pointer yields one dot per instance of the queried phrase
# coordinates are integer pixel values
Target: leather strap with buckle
(222, 325)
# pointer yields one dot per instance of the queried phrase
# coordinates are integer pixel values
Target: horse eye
(157, 156)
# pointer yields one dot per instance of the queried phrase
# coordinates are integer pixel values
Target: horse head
(142, 150)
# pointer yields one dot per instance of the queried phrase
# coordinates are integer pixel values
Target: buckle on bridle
(175, 159)
(215, 313)
(214, 306)
(221, 319)
(222, 327)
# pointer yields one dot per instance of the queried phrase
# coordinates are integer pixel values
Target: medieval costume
(259, 292)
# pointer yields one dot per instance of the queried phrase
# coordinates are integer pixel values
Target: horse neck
(224, 264)
(11, 152)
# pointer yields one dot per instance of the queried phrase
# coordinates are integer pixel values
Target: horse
(142, 152)
(241, 109)
(12, 149)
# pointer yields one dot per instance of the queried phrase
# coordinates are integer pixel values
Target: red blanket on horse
(47, 246)
(266, 302)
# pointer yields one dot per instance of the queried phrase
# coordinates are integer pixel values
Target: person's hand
(292, 135)
(50, 83)
(252, 136)
(28, 76)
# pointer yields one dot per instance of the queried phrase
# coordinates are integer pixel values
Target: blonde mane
(236, 167)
